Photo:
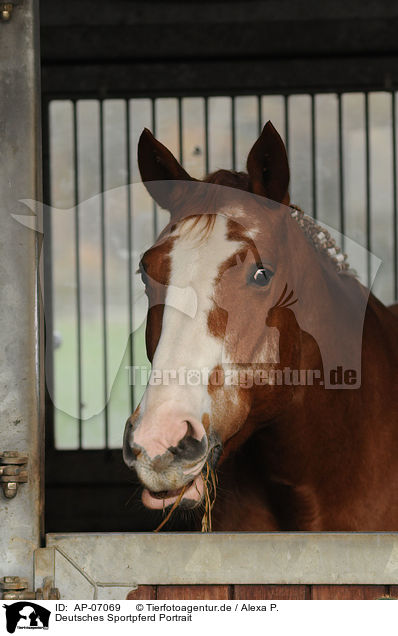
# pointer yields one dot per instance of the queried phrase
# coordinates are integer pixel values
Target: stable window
(100, 225)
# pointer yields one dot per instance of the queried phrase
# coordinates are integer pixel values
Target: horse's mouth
(165, 494)
(190, 495)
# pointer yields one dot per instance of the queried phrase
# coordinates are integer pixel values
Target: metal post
(129, 230)
(104, 295)
(154, 206)
(313, 157)
(21, 384)
(78, 276)
(206, 113)
(394, 195)
(286, 117)
(341, 171)
(233, 132)
(368, 193)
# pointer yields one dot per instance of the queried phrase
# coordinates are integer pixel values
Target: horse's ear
(268, 166)
(157, 164)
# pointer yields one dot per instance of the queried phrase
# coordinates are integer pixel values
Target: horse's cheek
(230, 409)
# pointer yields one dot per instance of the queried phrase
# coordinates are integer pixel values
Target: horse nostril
(189, 447)
(184, 441)
(190, 430)
(136, 452)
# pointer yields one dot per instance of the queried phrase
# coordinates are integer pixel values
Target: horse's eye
(262, 277)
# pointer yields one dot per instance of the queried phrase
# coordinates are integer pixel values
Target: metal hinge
(6, 9)
(12, 472)
(14, 588)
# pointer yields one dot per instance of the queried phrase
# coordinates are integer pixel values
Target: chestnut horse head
(241, 287)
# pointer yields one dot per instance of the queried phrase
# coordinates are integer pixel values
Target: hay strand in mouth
(175, 504)
(210, 493)
(210, 482)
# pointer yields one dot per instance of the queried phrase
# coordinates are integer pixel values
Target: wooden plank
(215, 77)
(270, 592)
(393, 591)
(348, 592)
(97, 12)
(194, 592)
(144, 592)
(266, 592)
(218, 40)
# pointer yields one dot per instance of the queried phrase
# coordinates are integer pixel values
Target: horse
(295, 423)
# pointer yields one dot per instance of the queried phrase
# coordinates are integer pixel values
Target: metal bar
(230, 558)
(394, 185)
(129, 247)
(21, 311)
(313, 156)
(180, 131)
(206, 107)
(154, 206)
(48, 282)
(341, 170)
(77, 272)
(286, 117)
(233, 133)
(259, 115)
(368, 204)
(103, 270)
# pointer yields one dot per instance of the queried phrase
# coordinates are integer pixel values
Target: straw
(210, 482)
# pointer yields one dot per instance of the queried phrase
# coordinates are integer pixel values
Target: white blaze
(185, 342)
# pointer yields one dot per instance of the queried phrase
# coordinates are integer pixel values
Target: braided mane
(320, 239)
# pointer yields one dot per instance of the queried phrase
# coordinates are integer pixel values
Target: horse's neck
(353, 330)
(310, 457)
(324, 460)
(380, 335)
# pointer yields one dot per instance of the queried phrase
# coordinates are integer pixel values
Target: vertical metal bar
(233, 133)
(341, 169)
(206, 106)
(368, 210)
(77, 271)
(103, 269)
(313, 157)
(48, 282)
(155, 207)
(259, 115)
(180, 130)
(129, 248)
(21, 315)
(286, 116)
(394, 185)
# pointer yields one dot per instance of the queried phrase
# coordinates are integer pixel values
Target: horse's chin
(193, 495)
